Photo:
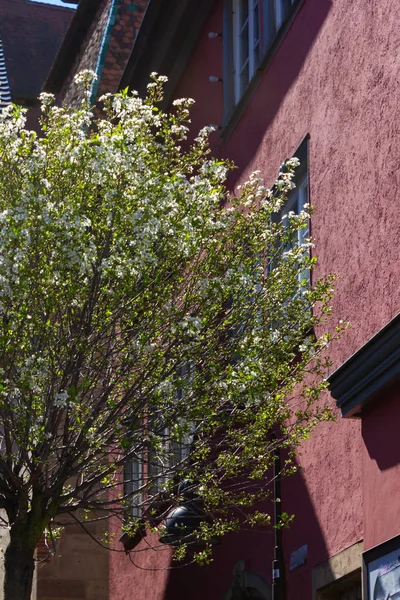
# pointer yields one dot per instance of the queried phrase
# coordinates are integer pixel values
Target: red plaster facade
(333, 77)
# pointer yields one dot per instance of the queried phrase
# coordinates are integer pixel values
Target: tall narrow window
(172, 452)
(246, 43)
(133, 480)
(298, 198)
(250, 28)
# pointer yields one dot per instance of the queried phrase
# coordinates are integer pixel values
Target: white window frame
(252, 51)
(133, 481)
(264, 19)
(296, 202)
(161, 467)
(281, 8)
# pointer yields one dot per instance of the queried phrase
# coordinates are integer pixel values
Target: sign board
(298, 557)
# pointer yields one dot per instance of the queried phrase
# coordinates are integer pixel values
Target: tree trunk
(18, 571)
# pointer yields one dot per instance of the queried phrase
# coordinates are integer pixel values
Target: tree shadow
(241, 561)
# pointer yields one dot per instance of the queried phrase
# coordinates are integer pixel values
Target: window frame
(270, 37)
(245, 55)
(155, 469)
(297, 198)
(132, 486)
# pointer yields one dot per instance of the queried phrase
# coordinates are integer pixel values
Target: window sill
(237, 112)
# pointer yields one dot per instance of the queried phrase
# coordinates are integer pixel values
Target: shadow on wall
(243, 562)
(380, 430)
(381, 468)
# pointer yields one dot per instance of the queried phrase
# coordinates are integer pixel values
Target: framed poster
(381, 566)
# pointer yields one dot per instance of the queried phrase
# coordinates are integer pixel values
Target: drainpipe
(277, 564)
(103, 50)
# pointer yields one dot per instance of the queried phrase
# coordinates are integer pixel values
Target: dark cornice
(74, 37)
(165, 42)
(369, 371)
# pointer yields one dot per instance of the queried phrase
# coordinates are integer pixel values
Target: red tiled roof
(31, 33)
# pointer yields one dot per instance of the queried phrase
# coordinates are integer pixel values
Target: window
(172, 452)
(158, 469)
(133, 480)
(297, 200)
(276, 12)
(246, 43)
(250, 27)
(381, 570)
(161, 463)
(157, 466)
(299, 197)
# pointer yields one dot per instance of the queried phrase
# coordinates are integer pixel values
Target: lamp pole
(277, 564)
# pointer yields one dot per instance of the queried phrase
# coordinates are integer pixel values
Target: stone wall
(79, 570)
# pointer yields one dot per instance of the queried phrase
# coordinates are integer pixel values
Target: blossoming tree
(142, 308)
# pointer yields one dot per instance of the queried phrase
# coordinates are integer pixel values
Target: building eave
(368, 372)
(165, 42)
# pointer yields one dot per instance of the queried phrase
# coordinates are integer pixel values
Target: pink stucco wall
(381, 469)
(335, 77)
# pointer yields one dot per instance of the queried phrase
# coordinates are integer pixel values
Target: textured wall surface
(335, 77)
(78, 571)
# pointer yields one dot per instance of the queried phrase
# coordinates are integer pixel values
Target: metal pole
(277, 564)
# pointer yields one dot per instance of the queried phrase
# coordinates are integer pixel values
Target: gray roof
(31, 33)
(5, 94)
